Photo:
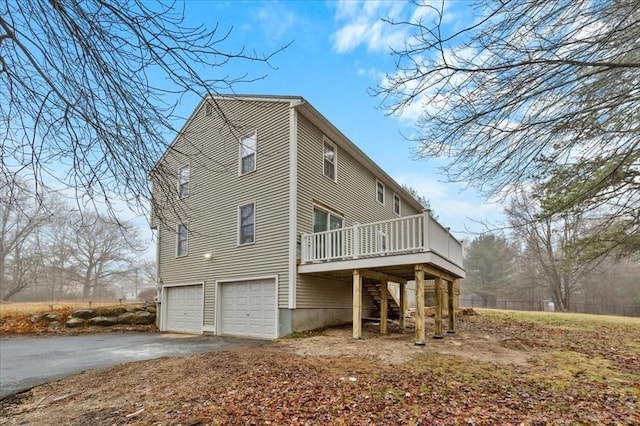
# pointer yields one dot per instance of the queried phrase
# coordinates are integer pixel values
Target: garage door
(184, 309)
(248, 308)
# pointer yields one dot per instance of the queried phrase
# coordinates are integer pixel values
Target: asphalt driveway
(28, 362)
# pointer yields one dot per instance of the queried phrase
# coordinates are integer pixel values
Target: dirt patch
(398, 347)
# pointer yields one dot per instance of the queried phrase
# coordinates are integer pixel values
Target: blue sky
(340, 49)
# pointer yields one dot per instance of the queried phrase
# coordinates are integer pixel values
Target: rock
(103, 321)
(35, 318)
(137, 318)
(126, 318)
(110, 311)
(151, 309)
(53, 325)
(145, 318)
(74, 322)
(84, 313)
(51, 317)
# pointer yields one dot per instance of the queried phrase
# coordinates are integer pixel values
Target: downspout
(293, 202)
(158, 280)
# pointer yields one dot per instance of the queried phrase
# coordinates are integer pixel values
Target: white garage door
(248, 308)
(184, 309)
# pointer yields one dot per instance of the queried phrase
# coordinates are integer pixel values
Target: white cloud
(361, 24)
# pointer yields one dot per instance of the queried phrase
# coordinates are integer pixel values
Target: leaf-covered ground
(577, 370)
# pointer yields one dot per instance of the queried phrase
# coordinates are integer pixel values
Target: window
(330, 160)
(182, 240)
(325, 221)
(208, 109)
(396, 204)
(183, 181)
(247, 224)
(380, 192)
(248, 153)
(327, 245)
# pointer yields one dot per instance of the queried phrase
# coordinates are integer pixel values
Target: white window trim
(180, 196)
(240, 223)
(393, 206)
(186, 225)
(255, 153)
(384, 193)
(335, 159)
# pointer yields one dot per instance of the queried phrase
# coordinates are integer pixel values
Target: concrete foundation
(311, 319)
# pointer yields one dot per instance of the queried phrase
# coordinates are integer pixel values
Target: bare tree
(88, 90)
(529, 91)
(100, 248)
(21, 221)
(551, 243)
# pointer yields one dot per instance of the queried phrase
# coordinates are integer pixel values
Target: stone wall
(101, 317)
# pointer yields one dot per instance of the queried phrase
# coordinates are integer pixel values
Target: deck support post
(420, 333)
(403, 304)
(438, 308)
(452, 311)
(384, 306)
(357, 304)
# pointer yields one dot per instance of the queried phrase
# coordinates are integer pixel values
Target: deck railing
(410, 234)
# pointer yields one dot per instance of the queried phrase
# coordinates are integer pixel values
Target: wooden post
(357, 304)
(403, 304)
(384, 306)
(438, 308)
(452, 310)
(419, 305)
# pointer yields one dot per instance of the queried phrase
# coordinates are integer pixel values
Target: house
(270, 221)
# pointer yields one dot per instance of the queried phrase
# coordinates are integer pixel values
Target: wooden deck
(398, 250)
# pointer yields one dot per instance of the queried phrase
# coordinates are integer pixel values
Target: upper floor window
(396, 204)
(330, 159)
(182, 240)
(248, 146)
(183, 181)
(247, 224)
(380, 192)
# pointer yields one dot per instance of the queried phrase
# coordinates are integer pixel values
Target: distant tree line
(50, 249)
(559, 257)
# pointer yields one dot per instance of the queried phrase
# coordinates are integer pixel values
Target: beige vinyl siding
(353, 194)
(216, 191)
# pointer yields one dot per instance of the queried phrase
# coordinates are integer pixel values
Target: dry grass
(8, 309)
(570, 320)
